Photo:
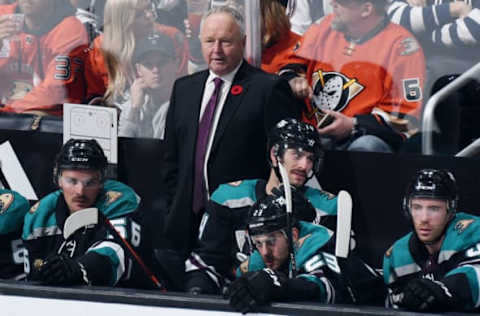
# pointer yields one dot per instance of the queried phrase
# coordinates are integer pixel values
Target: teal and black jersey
(223, 226)
(327, 278)
(13, 207)
(456, 265)
(104, 259)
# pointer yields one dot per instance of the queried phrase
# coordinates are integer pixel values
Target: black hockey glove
(302, 208)
(424, 295)
(62, 270)
(255, 289)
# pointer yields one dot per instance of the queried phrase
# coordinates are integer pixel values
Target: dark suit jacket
(239, 146)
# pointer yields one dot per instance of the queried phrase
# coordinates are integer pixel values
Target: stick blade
(344, 224)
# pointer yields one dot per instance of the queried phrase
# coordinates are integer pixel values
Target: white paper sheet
(97, 122)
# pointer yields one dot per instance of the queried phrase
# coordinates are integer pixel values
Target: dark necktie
(204, 127)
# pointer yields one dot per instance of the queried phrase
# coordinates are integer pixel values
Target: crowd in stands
(49, 58)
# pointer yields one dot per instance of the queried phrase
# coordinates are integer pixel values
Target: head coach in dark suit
(217, 125)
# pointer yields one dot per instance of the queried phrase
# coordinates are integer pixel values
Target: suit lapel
(196, 92)
(232, 102)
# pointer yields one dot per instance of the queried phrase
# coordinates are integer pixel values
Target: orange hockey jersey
(277, 56)
(37, 72)
(382, 74)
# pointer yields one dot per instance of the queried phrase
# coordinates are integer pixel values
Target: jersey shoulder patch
(34, 207)
(235, 183)
(112, 196)
(462, 225)
(6, 199)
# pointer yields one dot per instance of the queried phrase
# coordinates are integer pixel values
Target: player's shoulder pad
(324, 202)
(41, 217)
(118, 199)
(13, 207)
(462, 233)
(311, 238)
(399, 260)
(236, 194)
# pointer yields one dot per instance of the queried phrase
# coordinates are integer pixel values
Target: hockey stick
(91, 216)
(344, 224)
(288, 200)
(135, 256)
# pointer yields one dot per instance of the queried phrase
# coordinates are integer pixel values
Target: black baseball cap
(154, 43)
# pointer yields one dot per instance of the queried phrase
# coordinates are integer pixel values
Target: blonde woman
(109, 68)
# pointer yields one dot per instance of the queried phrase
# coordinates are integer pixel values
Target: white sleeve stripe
(397, 10)
(416, 20)
(445, 35)
(329, 290)
(120, 255)
(464, 33)
(435, 15)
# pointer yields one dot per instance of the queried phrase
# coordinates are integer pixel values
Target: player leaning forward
(68, 244)
(436, 267)
(313, 273)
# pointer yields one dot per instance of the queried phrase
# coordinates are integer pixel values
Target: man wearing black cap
(144, 107)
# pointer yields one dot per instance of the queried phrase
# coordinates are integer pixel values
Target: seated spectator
(66, 244)
(90, 13)
(278, 41)
(13, 208)
(304, 13)
(36, 59)
(449, 32)
(366, 73)
(434, 268)
(297, 146)
(270, 275)
(144, 105)
(108, 65)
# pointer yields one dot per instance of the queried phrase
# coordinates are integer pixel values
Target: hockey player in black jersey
(222, 232)
(318, 276)
(13, 207)
(69, 234)
(436, 267)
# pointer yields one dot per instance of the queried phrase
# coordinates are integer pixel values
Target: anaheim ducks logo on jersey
(112, 196)
(462, 225)
(6, 200)
(333, 90)
(34, 208)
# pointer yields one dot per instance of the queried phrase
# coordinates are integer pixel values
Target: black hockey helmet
(290, 133)
(76, 154)
(268, 215)
(434, 184)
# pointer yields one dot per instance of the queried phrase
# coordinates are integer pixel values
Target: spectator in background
(449, 32)
(304, 13)
(108, 65)
(90, 13)
(36, 70)
(278, 41)
(145, 103)
(364, 72)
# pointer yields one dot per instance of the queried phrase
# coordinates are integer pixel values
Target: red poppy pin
(236, 90)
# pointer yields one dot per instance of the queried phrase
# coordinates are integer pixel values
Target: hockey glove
(62, 270)
(255, 289)
(424, 295)
(303, 209)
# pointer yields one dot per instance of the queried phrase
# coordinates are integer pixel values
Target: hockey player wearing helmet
(435, 267)
(67, 242)
(222, 232)
(321, 276)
